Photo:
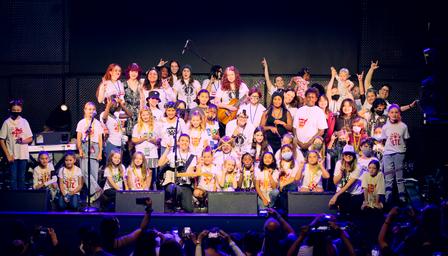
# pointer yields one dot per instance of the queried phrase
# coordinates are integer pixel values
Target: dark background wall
(55, 51)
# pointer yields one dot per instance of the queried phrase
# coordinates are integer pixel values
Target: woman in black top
(277, 121)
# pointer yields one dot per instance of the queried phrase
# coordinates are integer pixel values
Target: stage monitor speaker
(24, 200)
(125, 201)
(308, 203)
(232, 203)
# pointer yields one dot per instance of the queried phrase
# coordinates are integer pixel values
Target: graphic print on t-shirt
(394, 139)
(240, 139)
(17, 132)
(302, 122)
(171, 130)
(371, 188)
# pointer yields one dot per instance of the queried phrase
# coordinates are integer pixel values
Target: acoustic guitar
(225, 115)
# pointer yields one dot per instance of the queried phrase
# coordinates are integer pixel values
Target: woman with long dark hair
(277, 121)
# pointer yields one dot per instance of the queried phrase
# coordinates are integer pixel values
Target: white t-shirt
(42, 175)
(243, 141)
(342, 88)
(363, 164)
(135, 178)
(212, 129)
(308, 121)
(229, 179)
(292, 111)
(96, 132)
(116, 88)
(198, 140)
(219, 157)
(311, 180)
(11, 131)
(394, 134)
(70, 178)
(226, 96)
(289, 172)
(187, 92)
(157, 114)
(116, 177)
(182, 159)
(214, 87)
(263, 177)
(374, 186)
(147, 148)
(208, 183)
(113, 124)
(254, 113)
(356, 188)
(167, 131)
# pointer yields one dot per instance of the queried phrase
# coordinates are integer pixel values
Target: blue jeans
(18, 168)
(109, 147)
(73, 202)
(94, 167)
(273, 195)
(393, 170)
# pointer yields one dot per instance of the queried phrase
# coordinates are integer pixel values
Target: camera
(186, 232)
(43, 231)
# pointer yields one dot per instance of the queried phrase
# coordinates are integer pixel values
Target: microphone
(185, 47)
(94, 113)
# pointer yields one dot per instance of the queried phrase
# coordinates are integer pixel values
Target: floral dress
(132, 99)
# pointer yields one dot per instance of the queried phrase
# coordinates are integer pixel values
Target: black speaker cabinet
(308, 203)
(125, 201)
(232, 202)
(24, 200)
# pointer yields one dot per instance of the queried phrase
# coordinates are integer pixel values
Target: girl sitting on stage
(138, 176)
(312, 173)
(247, 177)
(44, 175)
(70, 183)
(259, 144)
(207, 173)
(114, 174)
(266, 181)
(228, 180)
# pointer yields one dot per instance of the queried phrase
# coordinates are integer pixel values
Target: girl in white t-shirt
(254, 108)
(110, 84)
(169, 124)
(349, 193)
(312, 173)
(114, 174)
(198, 135)
(288, 138)
(289, 174)
(266, 185)
(44, 176)
(226, 148)
(70, 183)
(259, 145)
(138, 176)
(228, 180)
(96, 147)
(373, 185)
(207, 173)
(212, 125)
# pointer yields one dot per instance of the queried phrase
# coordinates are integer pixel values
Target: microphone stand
(198, 55)
(89, 208)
